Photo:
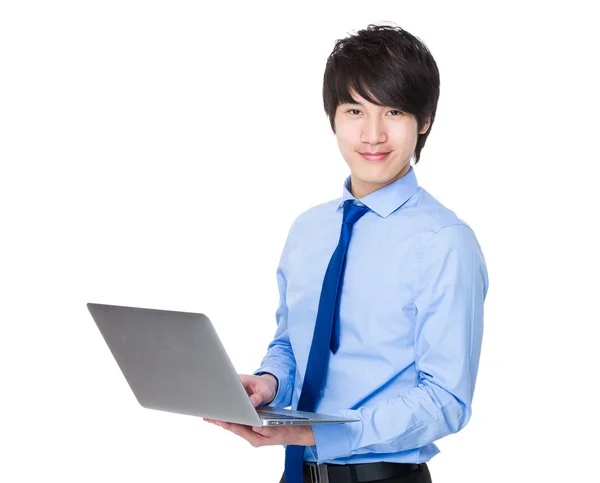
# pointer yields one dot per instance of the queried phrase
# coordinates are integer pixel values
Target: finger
(247, 383)
(246, 432)
(214, 421)
(264, 431)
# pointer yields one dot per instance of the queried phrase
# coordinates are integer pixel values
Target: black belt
(359, 473)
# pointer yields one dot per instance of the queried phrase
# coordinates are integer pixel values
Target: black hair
(387, 66)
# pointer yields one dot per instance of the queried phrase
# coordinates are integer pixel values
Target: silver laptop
(175, 362)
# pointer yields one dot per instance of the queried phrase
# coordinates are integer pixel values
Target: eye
(393, 110)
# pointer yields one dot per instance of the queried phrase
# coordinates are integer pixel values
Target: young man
(404, 342)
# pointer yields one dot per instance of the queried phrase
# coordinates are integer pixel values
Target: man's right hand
(261, 389)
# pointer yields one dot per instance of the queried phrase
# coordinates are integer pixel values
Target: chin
(374, 180)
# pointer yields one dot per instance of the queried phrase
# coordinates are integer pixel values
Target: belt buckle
(318, 473)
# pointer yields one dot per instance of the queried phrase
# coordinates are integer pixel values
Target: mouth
(378, 156)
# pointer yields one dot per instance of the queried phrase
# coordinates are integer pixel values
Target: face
(363, 127)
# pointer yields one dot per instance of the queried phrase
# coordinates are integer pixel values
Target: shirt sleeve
(279, 360)
(450, 292)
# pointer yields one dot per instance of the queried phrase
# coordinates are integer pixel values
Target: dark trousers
(419, 476)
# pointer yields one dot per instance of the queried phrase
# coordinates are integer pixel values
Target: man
(408, 324)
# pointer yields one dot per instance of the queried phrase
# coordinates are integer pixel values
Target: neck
(362, 189)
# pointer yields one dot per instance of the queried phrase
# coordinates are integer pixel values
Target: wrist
(308, 437)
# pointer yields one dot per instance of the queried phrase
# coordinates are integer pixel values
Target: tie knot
(353, 212)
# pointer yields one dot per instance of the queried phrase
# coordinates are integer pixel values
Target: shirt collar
(388, 199)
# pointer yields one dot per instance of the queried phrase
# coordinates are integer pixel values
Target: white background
(154, 154)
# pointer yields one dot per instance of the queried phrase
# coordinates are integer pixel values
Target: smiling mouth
(374, 156)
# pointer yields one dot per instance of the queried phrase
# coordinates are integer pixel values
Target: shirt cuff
(280, 376)
(331, 441)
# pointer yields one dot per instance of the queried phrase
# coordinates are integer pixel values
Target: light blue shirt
(411, 324)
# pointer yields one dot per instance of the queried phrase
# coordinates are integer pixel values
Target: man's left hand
(266, 435)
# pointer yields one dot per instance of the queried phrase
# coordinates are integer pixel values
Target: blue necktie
(325, 336)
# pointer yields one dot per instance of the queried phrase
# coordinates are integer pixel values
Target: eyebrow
(356, 103)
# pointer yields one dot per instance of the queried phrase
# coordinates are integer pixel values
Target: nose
(373, 131)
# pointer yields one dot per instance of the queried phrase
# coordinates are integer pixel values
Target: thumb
(256, 399)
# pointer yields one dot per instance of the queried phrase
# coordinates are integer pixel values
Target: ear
(425, 126)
